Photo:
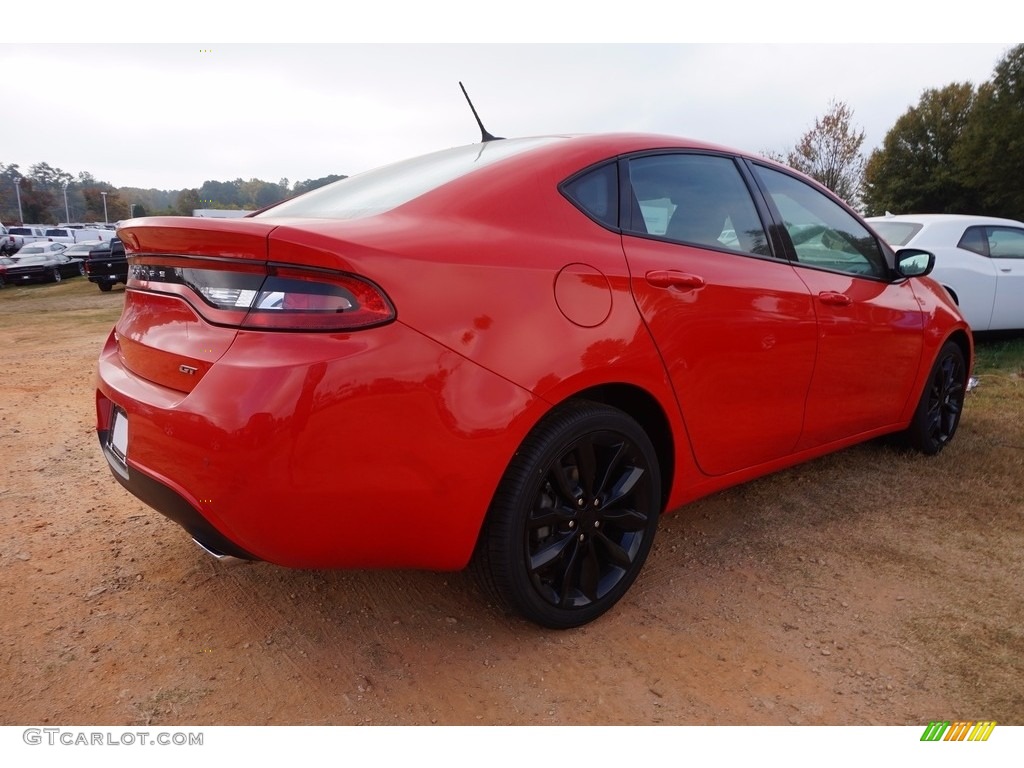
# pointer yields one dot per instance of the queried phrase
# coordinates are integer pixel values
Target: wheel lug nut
(582, 537)
(579, 502)
(597, 503)
(572, 523)
(597, 523)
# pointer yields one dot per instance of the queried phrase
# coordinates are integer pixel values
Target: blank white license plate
(118, 438)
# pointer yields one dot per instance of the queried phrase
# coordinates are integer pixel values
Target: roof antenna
(484, 135)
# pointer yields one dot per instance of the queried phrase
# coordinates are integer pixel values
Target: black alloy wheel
(942, 402)
(574, 517)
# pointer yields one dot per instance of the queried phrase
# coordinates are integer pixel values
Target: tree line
(49, 195)
(960, 149)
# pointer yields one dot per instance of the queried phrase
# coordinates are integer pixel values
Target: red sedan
(518, 352)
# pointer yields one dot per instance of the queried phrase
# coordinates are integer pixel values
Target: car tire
(105, 286)
(573, 518)
(56, 277)
(81, 269)
(938, 412)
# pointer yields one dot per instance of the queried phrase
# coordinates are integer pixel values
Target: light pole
(105, 220)
(17, 191)
(67, 213)
(131, 211)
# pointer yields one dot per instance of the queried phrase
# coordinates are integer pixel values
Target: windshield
(385, 188)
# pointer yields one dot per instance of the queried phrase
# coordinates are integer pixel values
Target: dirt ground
(869, 587)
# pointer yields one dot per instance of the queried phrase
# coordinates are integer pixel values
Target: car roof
(946, 218)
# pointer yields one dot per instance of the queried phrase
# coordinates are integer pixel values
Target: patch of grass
(50, 306)
(1005, 355)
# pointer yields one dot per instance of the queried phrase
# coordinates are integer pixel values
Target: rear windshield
(896, 233)
(385, 188)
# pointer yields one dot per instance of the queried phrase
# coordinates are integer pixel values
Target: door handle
(669, 278)
(835, 299)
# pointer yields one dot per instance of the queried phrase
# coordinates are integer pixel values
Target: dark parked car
(5, 262)
(42, 263)
(106, 264)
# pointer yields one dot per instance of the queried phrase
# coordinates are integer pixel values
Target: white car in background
(978, 259)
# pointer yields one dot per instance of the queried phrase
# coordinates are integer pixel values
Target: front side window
(695, 199)
(823, 233)
(1005, 243)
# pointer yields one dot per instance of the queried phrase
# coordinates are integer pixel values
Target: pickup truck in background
(16, 237)
(72, 235)
(107, 265)
(7, 246)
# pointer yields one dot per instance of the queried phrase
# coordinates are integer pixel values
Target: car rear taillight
(271, 297)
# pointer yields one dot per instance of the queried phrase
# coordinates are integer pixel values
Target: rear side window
(596, 192)
(696, 199)
(974, 240)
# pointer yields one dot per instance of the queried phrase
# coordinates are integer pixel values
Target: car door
(1006, 249)
(735, 325)
(870, 326)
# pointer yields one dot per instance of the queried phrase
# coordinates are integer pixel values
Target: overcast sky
(171, 116)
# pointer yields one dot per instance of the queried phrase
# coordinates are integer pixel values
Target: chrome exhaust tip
(212, 552)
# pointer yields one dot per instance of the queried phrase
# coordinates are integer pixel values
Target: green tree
(9, 176)
(991, 153)
(186, 202)
(301, 187)
(220, 194)
(831, 154)
(915, 170)
(36, 202)
(47, 177)
(92, 200)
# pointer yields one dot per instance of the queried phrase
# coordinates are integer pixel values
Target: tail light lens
(271, 297)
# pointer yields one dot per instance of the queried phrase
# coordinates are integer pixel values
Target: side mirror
(913, 262)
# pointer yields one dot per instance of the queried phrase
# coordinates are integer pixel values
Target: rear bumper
(111, 278)
(307, 450)
(27, 277)
(170, 504)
